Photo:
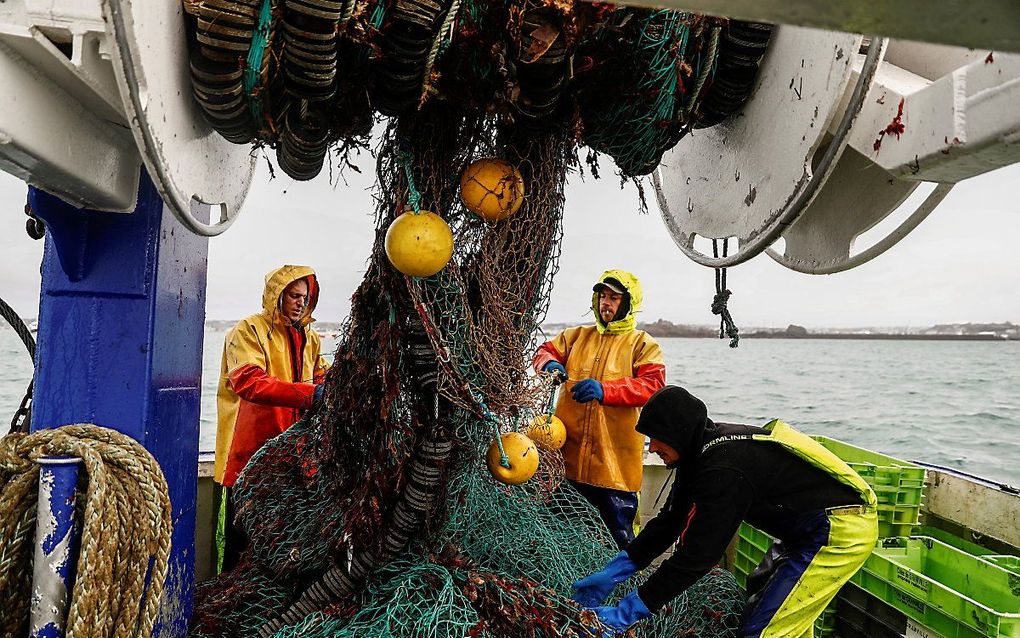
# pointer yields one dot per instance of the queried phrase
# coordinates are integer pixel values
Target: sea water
(950, 403)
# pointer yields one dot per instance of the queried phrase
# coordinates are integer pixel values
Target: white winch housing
(839, 132)
(93, 90)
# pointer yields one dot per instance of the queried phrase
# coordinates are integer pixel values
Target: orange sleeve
(649, 377)
(634, 391)
(253, 384)
(547, 352)
(556, 349)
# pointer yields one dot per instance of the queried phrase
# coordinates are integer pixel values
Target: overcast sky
(962, 264)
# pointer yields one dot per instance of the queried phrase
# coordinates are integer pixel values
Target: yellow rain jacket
(602, 447)
(267, 375)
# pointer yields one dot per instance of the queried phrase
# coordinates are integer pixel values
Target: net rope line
(127, 522)
(253, 62)
(445, 34)
(446, 362)
(706, 69)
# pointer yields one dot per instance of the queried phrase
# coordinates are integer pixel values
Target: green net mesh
(376, 515)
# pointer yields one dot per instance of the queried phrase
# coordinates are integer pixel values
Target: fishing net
(376, 515)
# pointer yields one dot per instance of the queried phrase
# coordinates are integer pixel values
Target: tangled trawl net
(376, 516)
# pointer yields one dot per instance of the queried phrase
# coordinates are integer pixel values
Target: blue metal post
(57, 538)
(121, 320)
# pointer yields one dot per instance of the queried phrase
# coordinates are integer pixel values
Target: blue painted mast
(121, 319)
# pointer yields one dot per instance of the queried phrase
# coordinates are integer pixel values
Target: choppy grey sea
(949, 403)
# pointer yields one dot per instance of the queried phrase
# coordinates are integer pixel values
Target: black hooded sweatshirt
(713, 492)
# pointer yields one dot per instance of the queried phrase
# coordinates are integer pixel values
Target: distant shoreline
(878, 336)
(663, 329)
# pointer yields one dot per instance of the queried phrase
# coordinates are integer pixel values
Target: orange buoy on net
(419, 244)
(492, 189)
(521, 456)
(549, 435)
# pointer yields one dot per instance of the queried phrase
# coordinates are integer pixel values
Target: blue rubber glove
(587, 390)
(593, 590)
(317, 395)
(556, 368)
(629, 610)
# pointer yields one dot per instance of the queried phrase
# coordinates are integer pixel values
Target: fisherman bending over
(609, 371)
(773, 477)
(270, 373)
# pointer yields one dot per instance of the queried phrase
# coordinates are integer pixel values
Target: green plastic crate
(752, 544)
(825, 625)
(962, 544)
(861, 615)
(1005, 561)
(899, 485)
(953, 593)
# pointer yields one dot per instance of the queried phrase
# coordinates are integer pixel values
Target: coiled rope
(127, 523)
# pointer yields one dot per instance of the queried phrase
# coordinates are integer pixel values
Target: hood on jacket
(278, 280)
(633, 299)
(677, 418)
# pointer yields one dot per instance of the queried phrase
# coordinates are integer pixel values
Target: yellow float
(522, 454)
(419, 244)
(492, 189)
(549, 436)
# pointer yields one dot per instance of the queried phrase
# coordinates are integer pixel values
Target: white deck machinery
(841, 129)
(858, 103)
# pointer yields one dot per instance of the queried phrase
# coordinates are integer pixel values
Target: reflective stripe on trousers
(831, 546)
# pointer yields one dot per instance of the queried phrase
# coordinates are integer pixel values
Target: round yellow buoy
(523, 457)
(492, 189)
(549, 436)
(419, 244)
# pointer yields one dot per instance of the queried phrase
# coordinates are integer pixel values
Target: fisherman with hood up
(608, 371)
(270, 373)
(821, 512)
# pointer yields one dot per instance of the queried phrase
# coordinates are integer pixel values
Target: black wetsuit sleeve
(720, 498)
(659, 533)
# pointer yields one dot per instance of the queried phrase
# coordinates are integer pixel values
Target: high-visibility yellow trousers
(823, 551)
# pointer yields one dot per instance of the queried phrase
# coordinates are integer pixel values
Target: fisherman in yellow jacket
(270, 373)
(609, 370)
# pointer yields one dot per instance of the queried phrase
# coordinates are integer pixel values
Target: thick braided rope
(706, 69)
(127, 522)
(430, 61)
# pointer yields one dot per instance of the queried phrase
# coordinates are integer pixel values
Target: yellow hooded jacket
(603, 448)
(267, 375)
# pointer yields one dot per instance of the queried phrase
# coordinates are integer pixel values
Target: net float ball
(492, 189)
(419, 244)
(547, 436)
(523, 457)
